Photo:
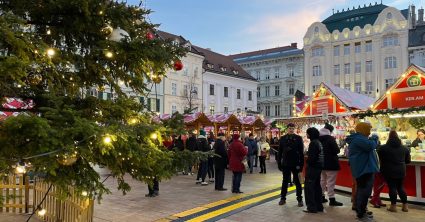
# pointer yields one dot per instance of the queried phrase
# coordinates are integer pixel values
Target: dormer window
(316, 29)
(176, 42)
(389, 16)
(223, 69)
(210, 66)
(188, 46)
(235, 72)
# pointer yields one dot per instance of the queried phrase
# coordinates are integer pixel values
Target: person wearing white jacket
(263, 148)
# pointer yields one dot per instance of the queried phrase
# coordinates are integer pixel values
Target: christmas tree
(54, 54)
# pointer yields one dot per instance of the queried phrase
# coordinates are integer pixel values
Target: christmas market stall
(252, 124)
(225, 123)
(402, 108)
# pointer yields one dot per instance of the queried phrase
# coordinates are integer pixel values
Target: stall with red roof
(402, 108)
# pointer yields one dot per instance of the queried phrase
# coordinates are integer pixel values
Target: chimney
(420, 16)
(294, 45)
(413, 11)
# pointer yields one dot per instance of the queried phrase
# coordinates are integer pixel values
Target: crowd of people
(372, 165)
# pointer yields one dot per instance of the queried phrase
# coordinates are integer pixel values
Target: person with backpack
(290, 160)
(312, 188)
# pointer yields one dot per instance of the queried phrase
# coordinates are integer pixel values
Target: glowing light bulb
(107, 140)
(49, 32)
(154, 136)
(388, 92)
(133, 121)
(20, 169)
(41, 212)
(50, 52)
(100, 12)
(109, 54)
(84, 193)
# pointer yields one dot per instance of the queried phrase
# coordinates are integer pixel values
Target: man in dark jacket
(331, 164)
(203, 165)
(290, 159)
(220, 161)
(191, 145)
(251, 143)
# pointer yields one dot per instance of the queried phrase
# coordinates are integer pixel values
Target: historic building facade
(417, 40)
(227, 88)
(363, 49)
(280, 72)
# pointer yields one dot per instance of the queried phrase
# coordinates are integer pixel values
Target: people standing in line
(211, 141)
(394, 157)
(220, 161)
(263, 148)
(237, 152)
(252, 151)
(203, 165)
(191, 145)
(331, 165)
(364, 164)
(315, 161)
(290, 160)
(420, 139)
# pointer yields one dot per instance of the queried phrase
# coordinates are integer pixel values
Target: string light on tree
(41, 212)
(50, 52)
(107, 139)
(109, 54)
(154, 136)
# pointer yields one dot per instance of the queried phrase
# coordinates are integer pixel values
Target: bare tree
(190, 93)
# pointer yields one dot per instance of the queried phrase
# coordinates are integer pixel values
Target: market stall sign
(322, 106)
(408, 99)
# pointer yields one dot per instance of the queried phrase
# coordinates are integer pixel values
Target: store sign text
(412, 98)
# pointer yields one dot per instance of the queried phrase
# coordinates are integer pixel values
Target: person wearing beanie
(290, 160)
(203, 165)
(364, 164)
(331, 164)
(237, 152)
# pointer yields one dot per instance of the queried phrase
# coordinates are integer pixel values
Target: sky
(236, 26)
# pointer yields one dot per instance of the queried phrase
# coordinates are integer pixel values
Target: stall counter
(414, 183)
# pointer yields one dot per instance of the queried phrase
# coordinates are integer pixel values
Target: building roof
(360, 16)
(221, 64)
(179, 38)
(267, 53)
(351, 99)
(417, 36)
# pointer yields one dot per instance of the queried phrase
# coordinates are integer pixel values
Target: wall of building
(390, 22)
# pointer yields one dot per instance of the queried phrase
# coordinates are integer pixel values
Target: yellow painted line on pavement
(219, 202)
(236, 206)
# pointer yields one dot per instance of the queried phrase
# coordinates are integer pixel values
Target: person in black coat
(290, 160)
(331, 164)
(394, 157)
(220, 161)
(191, 145)
(203, 165)
(315, 159)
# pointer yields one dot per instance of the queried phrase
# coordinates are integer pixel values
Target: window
(389, 16)
(388, 83)
(258, 75)
(267, 74)
(315, 87)
(258, 92)
(186, 72)
(249, 95)
(277, 110)
(368, 47)
(267, 111)
(357, 47)
(276, 90)
(358, 87)
(238, 94)
(185, 90)
(347, 68)
(347, 87)
(318, 51)
(291, 72)
(291, 89)
(390, 62)
(317, 71)
(142, 100)
(336, 69)
(267, 91)
(357, 67)
(148, 104)
(336, 50)
(226, 92)
(212, 109)
(369, 86)
(390, 40)
(211, 89)
(226, 110)
(173, 108)
(346, 49)
(368, 66)
(195, 92)
(174, 89)
(276, 73)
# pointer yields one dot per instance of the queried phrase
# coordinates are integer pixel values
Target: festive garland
(370, 113)
(418, 122)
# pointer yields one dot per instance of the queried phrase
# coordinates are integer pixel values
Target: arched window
(316, 29)
(389, 16)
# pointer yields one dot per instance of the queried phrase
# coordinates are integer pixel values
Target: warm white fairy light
(41, 212)
(21, 169)
(50, 52)
(107, 139)
(49, 32)
(154, 136)
(84, 194)
(109, 54)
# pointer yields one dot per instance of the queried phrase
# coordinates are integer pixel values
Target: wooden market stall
(225, 123)
(403, 102)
